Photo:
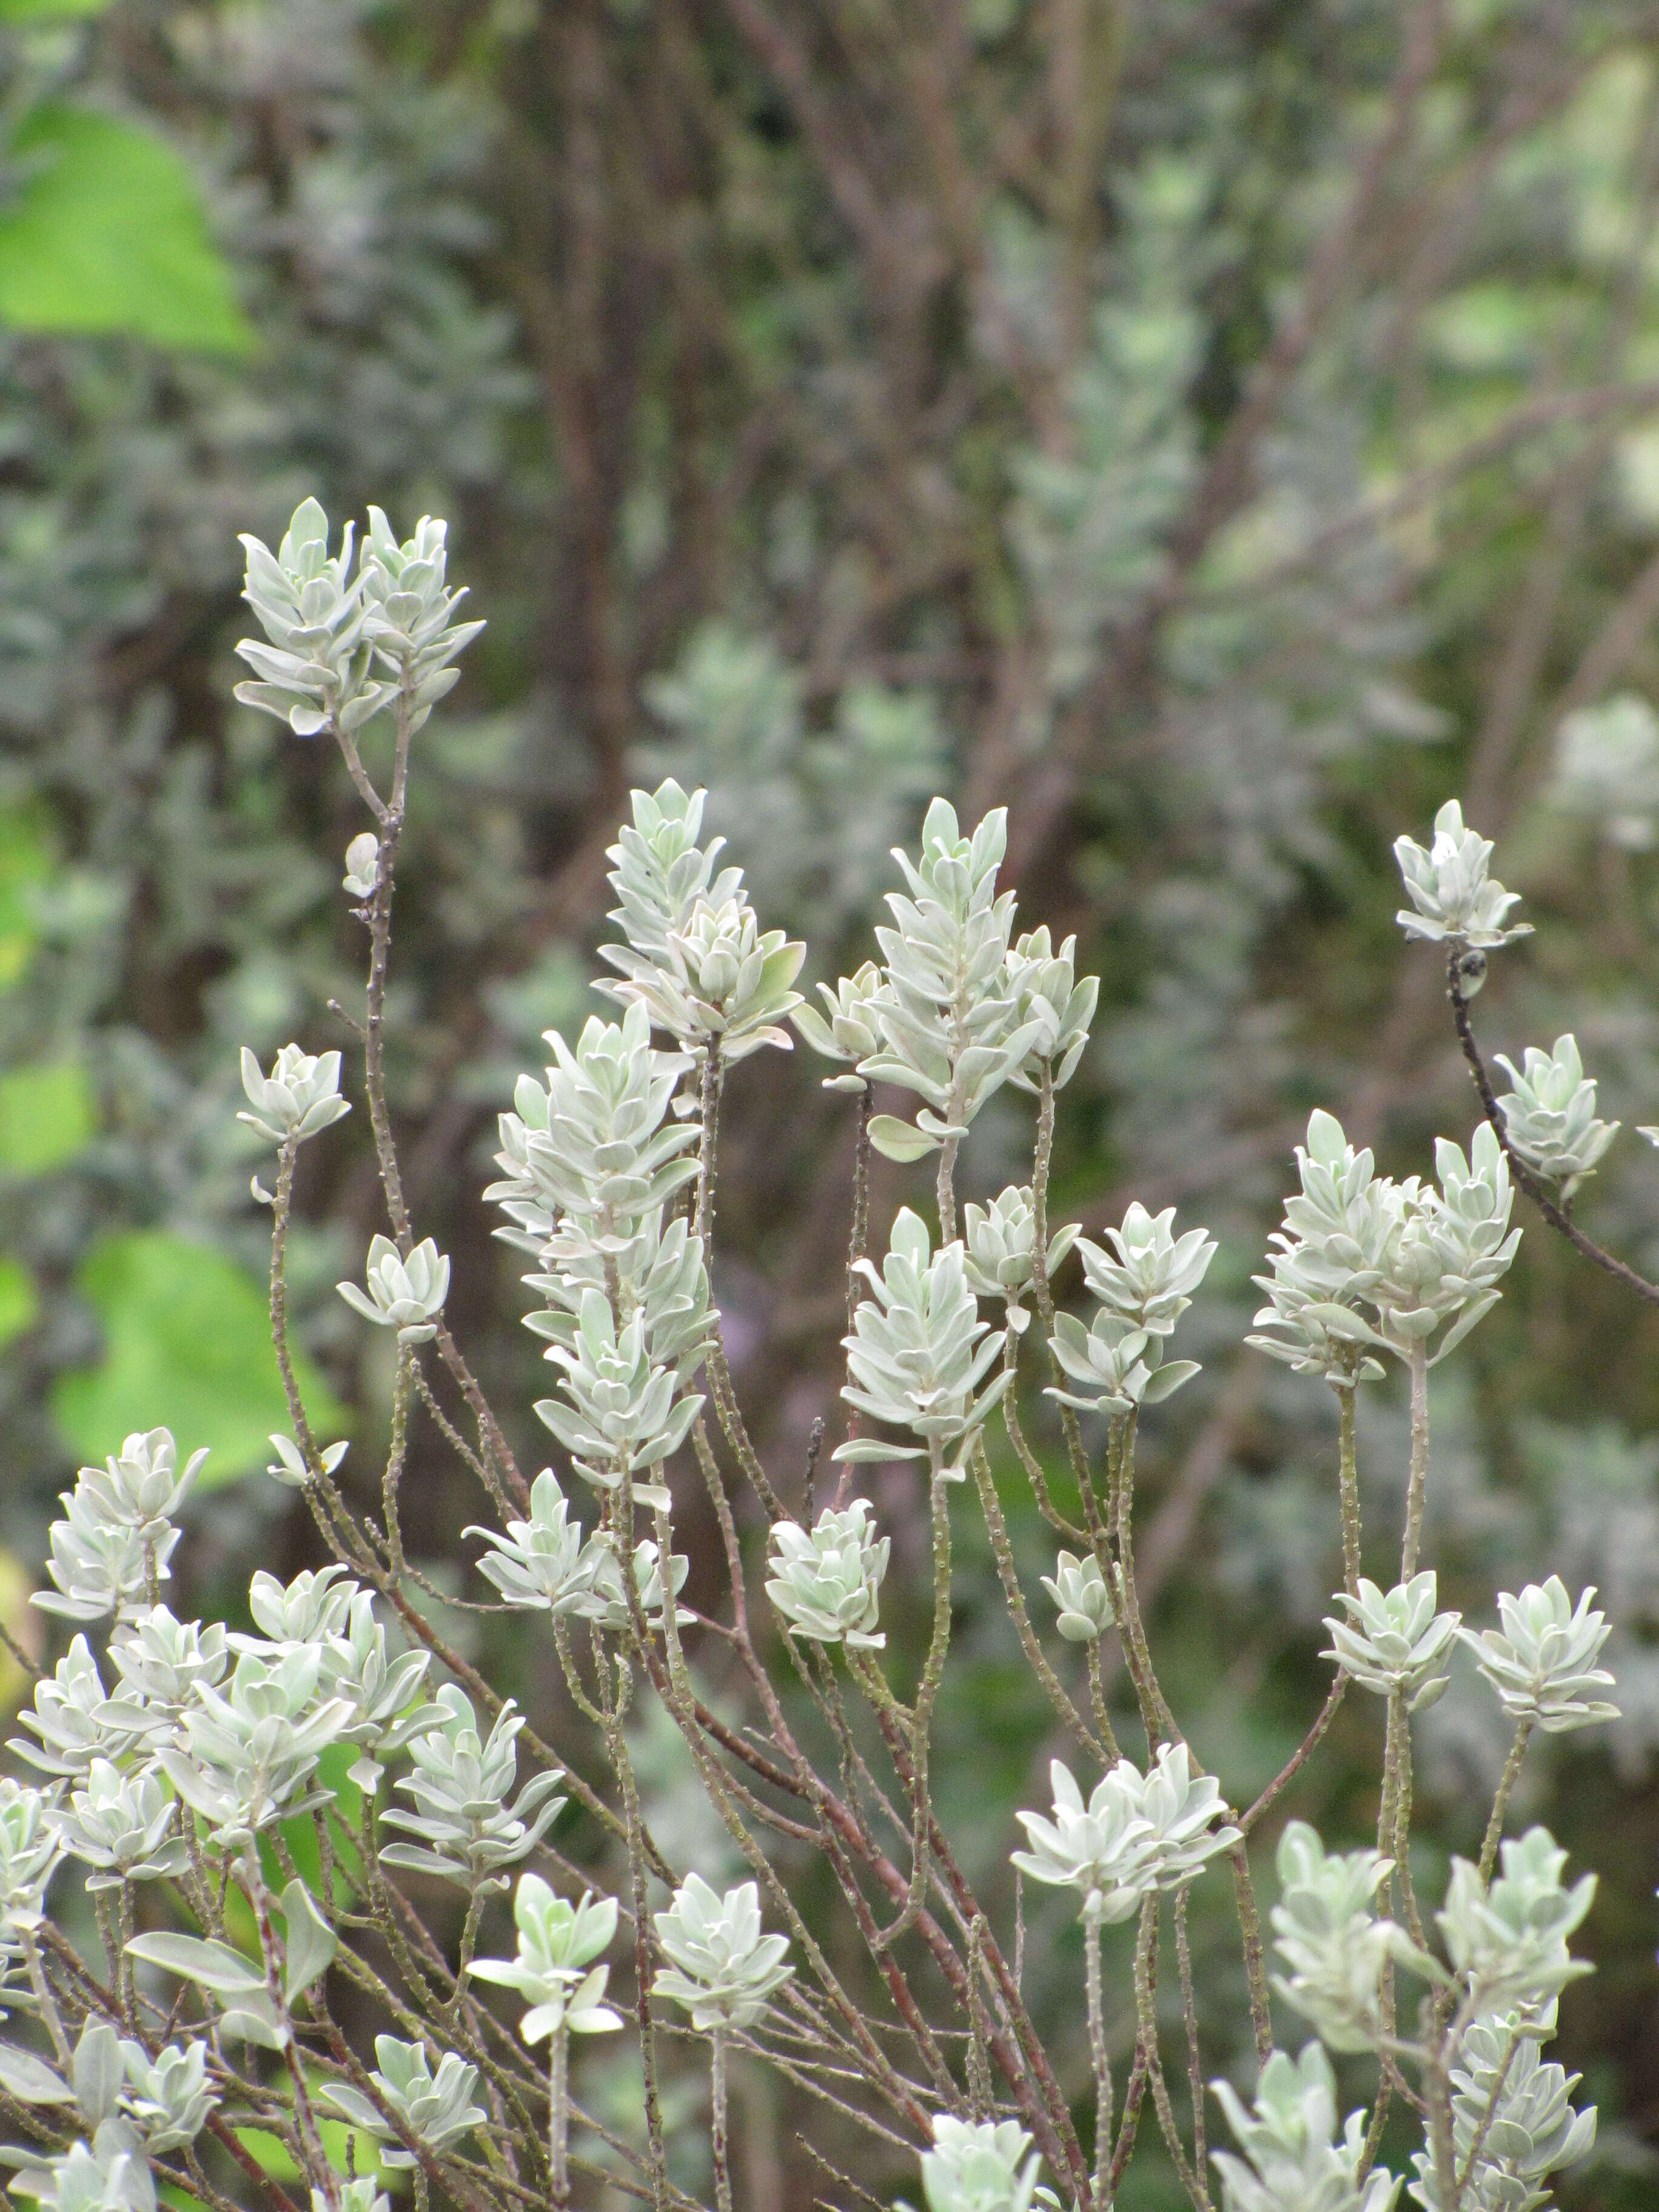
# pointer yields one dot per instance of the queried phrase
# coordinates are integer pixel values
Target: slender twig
(1500, 1803)
(1556, 1215)
(1189, 2016)
(1099, 2055)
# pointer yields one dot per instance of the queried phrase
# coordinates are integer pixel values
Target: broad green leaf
(25, 863)
(186, 1345)
(899, 1140)
(107, 234)
(342, 2144)
(20, 1302)
(29, 2078)
(210, 1966)
(47, 11)
(98, 2072)
(46, 1116)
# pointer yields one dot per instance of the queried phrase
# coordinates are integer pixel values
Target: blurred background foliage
(1219, 429)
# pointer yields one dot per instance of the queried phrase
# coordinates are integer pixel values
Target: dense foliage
(1215, 432)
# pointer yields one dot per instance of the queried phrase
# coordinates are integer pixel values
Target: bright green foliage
(107, 235)
(186, 1345)
(47, 1117)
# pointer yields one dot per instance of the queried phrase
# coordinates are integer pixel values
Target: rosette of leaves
(659, 873)
(606, 1602)
(380, 1688)
(461, 1783)
(919, 1352)
(541, 1564)
(722, 1967)
(596, 1145)
(554, 1971)
(846, 1030)
(979, 2166)
(159, 1661)
(1001, 1245)
(1148, 1281)
(300, 1098)
(31, 1844)
(314, 672)
(947, 1015)
(436, 2109)
(1451, 1249)
(1453, 897)
(1293, 2159)
(723, 981)
(71, 1721)
(98, 1565)
(406, 1294)
(1329, 1938)
(1509, 1942)
(1542, 1661)
(245, 1753)
(111, 2173)
(661, 1278)
(167, 2098)
(1081, 1601)
(1184, 1812)
(1048, 999)
(409, 610)
(121, 1826)
(825, 1585)
(1112, 1367)
(1326, 1259)
(310, 1609)
(621, 1414)
(1393, 1642)
(1550, 1116)
(1513, 2123)
(119, 1534)
(142, 1487)
(1105, 1849)
(1116, 1364)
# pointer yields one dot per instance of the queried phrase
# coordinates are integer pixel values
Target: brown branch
(1557, 1217)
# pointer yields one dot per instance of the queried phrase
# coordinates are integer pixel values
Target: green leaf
(312, 1943)
(186, 1345)
(107, 234)
(46, 1116)
(342, 2144)
(28, 2079)
(44, 11)
(210, 1966)
(25, 863)
(20, 1302)
(898, 1140)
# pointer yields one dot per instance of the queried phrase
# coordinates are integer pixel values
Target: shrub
(236, 1801)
